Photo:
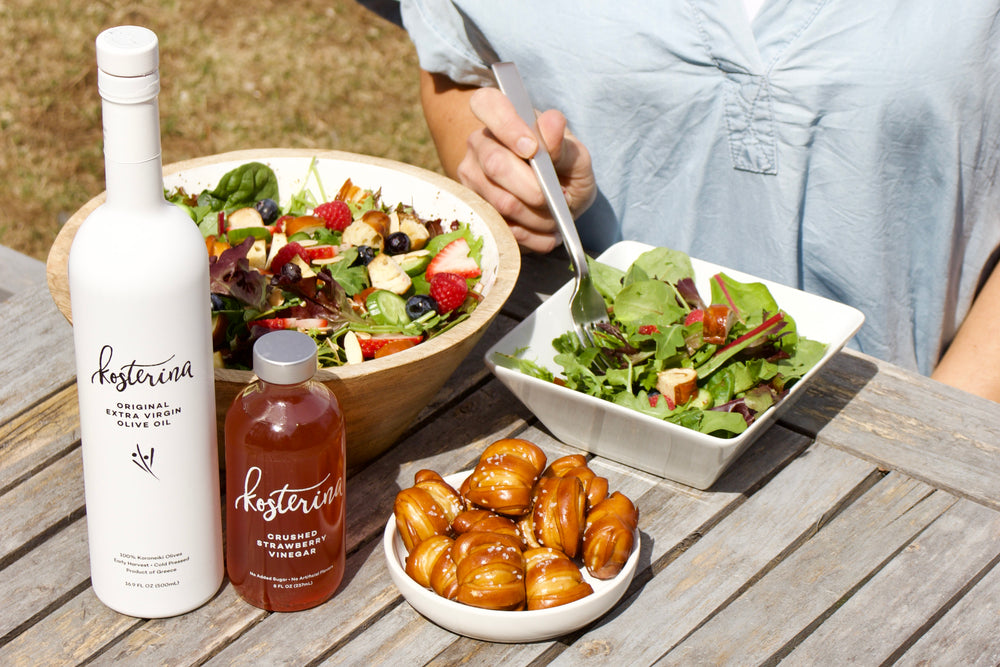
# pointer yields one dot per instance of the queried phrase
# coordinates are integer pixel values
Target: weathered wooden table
(864, 528)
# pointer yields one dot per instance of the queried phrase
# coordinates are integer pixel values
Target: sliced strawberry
(306, 323)
(300, 323)
(279, 224)
(320, 252)
(275, 323)
(371, 346)
(696, 315)
(454, 258)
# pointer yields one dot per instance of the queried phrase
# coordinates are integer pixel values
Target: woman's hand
(483, 143)
(494, 165)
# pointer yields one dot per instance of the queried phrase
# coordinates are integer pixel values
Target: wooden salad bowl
(380, 397)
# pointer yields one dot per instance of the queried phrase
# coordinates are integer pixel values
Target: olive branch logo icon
(144, 461)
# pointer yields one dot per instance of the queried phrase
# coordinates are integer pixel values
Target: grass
(235, 75)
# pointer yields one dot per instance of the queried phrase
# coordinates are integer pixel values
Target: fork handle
(512, 85)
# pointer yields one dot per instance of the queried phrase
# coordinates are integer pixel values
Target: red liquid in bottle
(285, 460)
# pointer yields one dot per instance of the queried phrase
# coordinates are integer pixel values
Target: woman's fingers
(495, 166)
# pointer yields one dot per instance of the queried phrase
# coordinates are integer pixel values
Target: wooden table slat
(69, 635)
(41, 504)
(916, 585)
(38, 345)
(49, 573)
(775, 610)
(967, 635)
(931, 432)
(32, 439)
(704, 578)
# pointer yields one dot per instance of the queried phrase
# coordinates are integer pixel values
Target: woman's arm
(449, 118)
(972, 361)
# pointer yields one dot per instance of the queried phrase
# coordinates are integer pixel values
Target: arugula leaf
(751, 302)
(353, 278)
(518, 363)
(664, 264)
(647, 301)
(607, 279)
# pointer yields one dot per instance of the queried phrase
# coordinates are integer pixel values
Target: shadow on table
(833, 388)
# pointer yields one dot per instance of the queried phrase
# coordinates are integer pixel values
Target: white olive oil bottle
(139, 290)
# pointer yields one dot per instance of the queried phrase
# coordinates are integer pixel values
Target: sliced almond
(352, 348)
(328, 260)
(307, 272)
(278, 241)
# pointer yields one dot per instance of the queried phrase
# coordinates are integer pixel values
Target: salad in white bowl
(702, 360)
(709, 365)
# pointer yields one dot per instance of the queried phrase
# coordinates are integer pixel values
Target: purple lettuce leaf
(230, 275)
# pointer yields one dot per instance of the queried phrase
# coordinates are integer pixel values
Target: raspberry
(449, 290)
(336, 214)
(648, 329)
(285, 254)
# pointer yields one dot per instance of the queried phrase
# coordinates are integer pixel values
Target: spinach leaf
(243, 186)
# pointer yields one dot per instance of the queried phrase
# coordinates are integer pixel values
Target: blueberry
(397, 243)
(419, 305)
(217, 303)
(268, 209)
(290, 272)
(365, 255)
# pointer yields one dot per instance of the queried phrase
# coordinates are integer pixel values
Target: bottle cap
(284, 357)
(128, 59)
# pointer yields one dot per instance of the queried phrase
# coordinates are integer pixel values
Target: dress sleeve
(438, 32)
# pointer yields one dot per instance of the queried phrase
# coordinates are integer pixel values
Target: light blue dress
(847, 148)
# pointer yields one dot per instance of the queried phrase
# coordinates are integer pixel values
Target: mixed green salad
(710, 366)
(361, 277)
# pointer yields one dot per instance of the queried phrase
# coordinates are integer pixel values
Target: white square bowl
(636, 439)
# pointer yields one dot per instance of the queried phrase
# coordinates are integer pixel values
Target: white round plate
(504, 626)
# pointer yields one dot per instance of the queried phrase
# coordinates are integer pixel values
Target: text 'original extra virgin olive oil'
(285, 468)
(139, 288)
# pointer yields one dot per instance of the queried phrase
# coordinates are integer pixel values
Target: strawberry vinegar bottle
(285, 465)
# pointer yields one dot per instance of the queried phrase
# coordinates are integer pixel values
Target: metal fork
(587, 306)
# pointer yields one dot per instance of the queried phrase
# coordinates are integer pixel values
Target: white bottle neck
(133, 170)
